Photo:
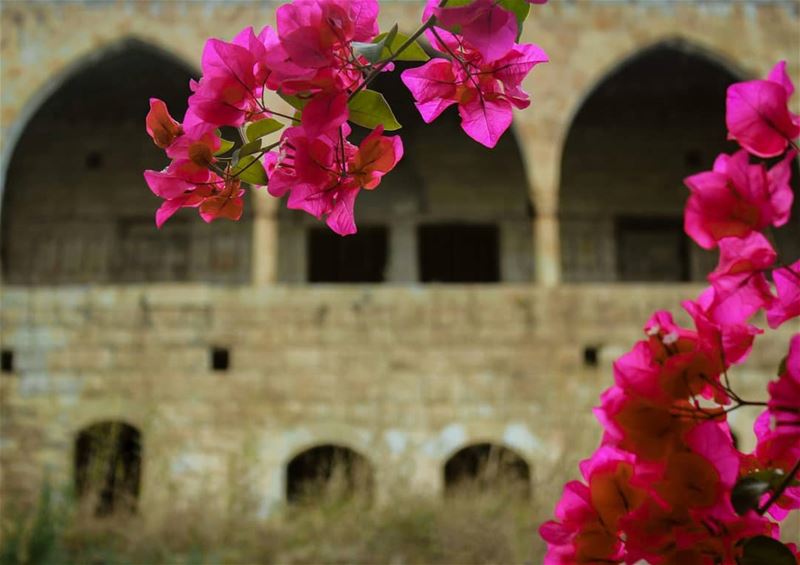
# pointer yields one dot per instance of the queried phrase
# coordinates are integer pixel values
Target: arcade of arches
(450, 212)
(108, 466)
(182, 334)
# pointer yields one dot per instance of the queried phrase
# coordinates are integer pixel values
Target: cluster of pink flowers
(483, 73)
(667, 484)
(320, 58)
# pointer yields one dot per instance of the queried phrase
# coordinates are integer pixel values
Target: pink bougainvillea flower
(612, 490)
(577, 535)
(777, 429)
(198, 143)
(732, 306)
(676, 363)
(740, 287)
(215, 198)
(648, 428)
(317, 36)
(313, 32)
(786, 305)
(758, 115)
(736, 198)
(485, 92)
(178, 178)
(160, 125)
(234, 76)
(730, 343)
(784, 394)
(484, 24)
(321, 171)
(587, 525)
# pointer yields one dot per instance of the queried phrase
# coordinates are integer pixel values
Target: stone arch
(75, 206)
(602, 72)
(52, 83)
(451, 211)
(108, 466)
(328, 469)
(486, 466)
(655, 118)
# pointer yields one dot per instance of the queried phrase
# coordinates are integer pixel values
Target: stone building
(480, 305)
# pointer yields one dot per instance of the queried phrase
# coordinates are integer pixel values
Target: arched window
(76, 207)
(487, 466)
(108, 466)
(452, 211)
(328, 471)
(656, 119)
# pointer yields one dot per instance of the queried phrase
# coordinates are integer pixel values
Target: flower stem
(781, 488)
(427, 24)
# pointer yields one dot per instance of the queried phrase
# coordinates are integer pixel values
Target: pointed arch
(452, 211)
(329, 469)
(56, 81)
(75, 206)
(487, 466)
(675, 43)
(655, 118)
(108, 466)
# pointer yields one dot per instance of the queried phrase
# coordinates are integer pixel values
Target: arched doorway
(656, 119)
(328, 471)
(487, 467)
(108, 466)
(452, 211)
(76, 208)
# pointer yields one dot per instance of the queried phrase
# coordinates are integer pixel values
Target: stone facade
(111, 322)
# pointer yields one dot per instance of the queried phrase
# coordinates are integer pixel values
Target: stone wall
(586, 40)
(406, 374)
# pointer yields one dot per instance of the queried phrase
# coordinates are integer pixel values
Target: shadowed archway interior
(108, 466)
(487, 466)
(77, 208)
(452, 211)
(656, 119)
(328, 471)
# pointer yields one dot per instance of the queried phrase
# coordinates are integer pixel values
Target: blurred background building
(476, 312)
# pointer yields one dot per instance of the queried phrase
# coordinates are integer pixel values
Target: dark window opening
(693, 159)
(108, 462)
(487, 467)
(6, 361)
(459, 253)
(94, 160)
(652, 250)
(591, 356)
(328, 471)
(357, 258)
(220, 359)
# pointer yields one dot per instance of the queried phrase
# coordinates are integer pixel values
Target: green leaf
(370, 109)
(250, 148)
(772, 476)
(782, 366)
(411, 53)
(295, 101)
(763, 550)
(389, 36)
(250, 170)
(370, 51)
(747, 492)
(225, 147)
(261, 128)
(520, 8)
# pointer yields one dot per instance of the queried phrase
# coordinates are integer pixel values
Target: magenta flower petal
(485, 119)
(758, 117)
